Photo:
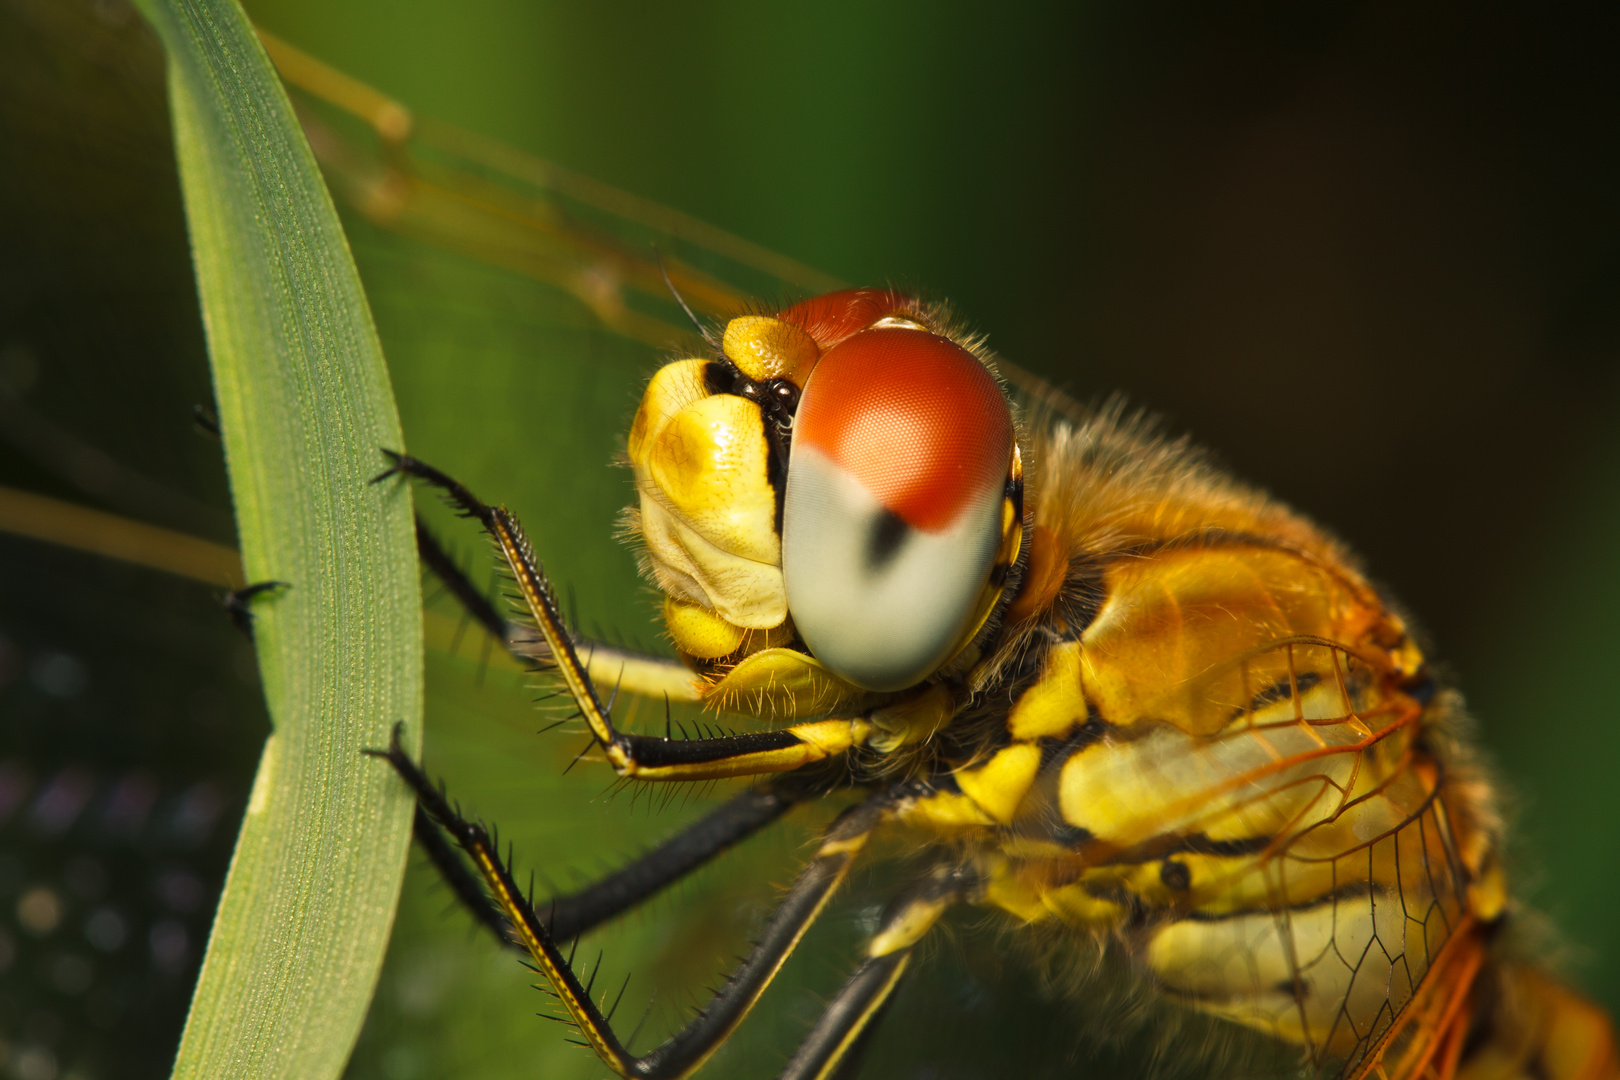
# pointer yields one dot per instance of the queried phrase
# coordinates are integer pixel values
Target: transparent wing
(1327, 887)
(609, 249)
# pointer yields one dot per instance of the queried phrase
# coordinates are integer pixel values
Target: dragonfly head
(845, 475)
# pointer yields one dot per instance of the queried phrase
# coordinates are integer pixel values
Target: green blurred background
(1369, 253)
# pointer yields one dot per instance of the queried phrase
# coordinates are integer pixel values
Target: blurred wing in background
(622, 257)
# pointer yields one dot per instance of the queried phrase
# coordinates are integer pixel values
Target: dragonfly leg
(640, 756)
(579, 912)
(687, 1049)
(238, 603)
(833, 1048)
(453, 871)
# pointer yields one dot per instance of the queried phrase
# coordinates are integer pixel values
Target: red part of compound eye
(832, 317)
(914, 417)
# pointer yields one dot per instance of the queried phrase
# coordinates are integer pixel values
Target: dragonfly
(485, 201)
(1122, 695)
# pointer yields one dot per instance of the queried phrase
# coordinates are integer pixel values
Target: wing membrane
(1330, 896)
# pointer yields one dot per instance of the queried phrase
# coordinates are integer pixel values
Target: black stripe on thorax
(1282, 690)
(1199, 844)
(1167, 845)
(1354, 891)
(1054, 751)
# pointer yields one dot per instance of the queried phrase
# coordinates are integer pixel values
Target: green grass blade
(305, 403)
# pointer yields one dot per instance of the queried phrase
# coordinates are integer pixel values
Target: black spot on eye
(1175, 875)
(883, 543)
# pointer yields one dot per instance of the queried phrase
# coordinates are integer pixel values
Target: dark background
(1367, 253)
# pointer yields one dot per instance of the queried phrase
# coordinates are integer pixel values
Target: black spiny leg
(468, 889)
(833, 1048)
(681, 1054)
(238, 604)
(740, 817)
(580, 912)
(642, 756)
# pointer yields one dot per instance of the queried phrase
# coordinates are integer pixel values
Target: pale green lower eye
(879, 602)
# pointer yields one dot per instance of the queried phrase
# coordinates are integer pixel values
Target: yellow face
(708, 511)
(839, 488)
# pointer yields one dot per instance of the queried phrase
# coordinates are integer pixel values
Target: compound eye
(892, 517)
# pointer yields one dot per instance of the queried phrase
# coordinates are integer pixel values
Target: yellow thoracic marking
(1343, 875)
(1077, 904)
(1220, 884)
(1005, 890)
(1000, 784)
(1183, 637)
(1293, 755)
(1241, 785)
(766, 348)
(906, 929)
(947, 812)
(1035, 848)
(1056, 704)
